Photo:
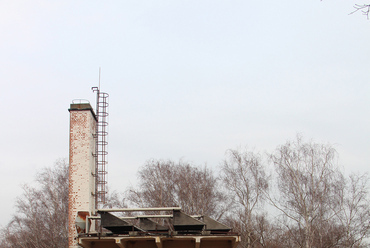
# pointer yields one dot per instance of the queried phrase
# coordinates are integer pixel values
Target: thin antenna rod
(99, 76)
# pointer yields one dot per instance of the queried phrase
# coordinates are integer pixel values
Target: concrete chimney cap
(82, 107)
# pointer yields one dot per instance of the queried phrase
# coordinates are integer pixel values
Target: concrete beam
(235, 242)
(197, 242)
(120, 243)
(146, 216)
(158, 242)
(140, 209)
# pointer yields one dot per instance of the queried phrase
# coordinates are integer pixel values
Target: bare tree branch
(363, 8)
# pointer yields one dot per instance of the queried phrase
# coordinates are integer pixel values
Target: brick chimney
(81, 165)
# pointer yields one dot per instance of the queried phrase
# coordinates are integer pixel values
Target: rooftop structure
(173, 229)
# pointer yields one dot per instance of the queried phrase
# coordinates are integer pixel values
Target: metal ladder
(101, 152)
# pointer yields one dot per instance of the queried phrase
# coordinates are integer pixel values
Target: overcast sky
(187, 80)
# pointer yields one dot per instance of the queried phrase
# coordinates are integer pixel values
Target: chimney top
(81, 107)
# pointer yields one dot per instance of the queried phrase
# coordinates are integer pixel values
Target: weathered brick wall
(81, 166)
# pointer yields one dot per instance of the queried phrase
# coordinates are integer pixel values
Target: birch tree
(355, 213)
(308, 182)
(244, 177)
(41, 214)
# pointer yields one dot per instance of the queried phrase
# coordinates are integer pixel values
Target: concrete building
(90, 227)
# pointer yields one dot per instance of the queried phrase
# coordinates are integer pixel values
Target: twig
(364, 8)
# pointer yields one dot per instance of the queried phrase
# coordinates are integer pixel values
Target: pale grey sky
(187, 80)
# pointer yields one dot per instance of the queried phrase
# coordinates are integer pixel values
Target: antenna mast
(101, 143)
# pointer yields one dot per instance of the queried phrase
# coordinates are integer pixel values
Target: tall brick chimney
(81, 165)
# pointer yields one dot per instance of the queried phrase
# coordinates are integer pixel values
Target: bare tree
(355, 212)
(308, 181)
(245, 179)
(115, 199)
(156, 185)
(41, 214)
(168, 184)
(197, 190)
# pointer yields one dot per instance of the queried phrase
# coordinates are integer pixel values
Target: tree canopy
(295, 196)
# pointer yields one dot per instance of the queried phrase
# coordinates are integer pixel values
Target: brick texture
(81, 168)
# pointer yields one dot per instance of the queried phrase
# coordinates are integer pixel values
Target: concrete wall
(81, 164)
(161, 242)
